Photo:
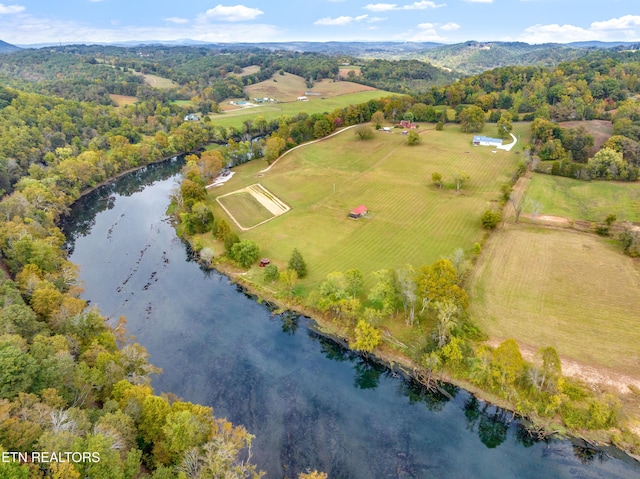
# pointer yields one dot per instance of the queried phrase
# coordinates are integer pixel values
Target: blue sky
(447, 21)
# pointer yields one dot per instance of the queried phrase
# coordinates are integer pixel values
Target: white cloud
(385, 7)
(626, 28)
(449, 27)
(623, 23)
(8, 9)
(376, 19)
(176, 20)
(231, 13)
(380, 7)
(423, 5)
(27, 29)
(339, 21)
(426, 32)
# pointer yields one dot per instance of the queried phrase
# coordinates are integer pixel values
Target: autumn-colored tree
(274, 148)
(472, 119)
(367, 337)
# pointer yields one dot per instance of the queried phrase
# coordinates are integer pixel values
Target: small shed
(486, 141)
(358, 212)
(265, 262)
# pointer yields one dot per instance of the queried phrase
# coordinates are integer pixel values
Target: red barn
(358, 212)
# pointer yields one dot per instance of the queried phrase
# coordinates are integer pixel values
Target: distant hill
(596, 44)
(7, 47)
(475, 57)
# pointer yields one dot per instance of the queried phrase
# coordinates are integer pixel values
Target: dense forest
(72, 382)
(90, 73)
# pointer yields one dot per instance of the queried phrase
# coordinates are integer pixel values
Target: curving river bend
(309, 402)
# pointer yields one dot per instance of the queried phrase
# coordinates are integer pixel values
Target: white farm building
(486, 141)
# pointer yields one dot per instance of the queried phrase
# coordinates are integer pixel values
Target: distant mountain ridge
(475, 57)
(7, 47)
(467, 58)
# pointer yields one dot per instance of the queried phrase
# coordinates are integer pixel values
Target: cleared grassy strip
(158, 82)
(411, 221)
(314, 105)
(246, 210)
(586, 200)
(564, 289)
(123, 100)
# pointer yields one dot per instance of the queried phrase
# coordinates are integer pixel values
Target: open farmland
(560, 288)
(123, 100)
(585, 200)
(274, 110)
(289, 87)
(410, 220)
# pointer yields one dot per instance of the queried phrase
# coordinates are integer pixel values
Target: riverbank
(388, 355)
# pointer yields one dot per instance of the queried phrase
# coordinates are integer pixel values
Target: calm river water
(309, 402)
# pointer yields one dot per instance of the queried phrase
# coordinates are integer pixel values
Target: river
(309, 402)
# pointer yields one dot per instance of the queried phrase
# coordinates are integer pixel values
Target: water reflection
(310, 402)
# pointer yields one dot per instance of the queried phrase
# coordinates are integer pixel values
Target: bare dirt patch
(601, 130)
(597, 377)
(344, 71)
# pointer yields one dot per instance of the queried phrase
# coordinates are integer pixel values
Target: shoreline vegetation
(63, 360)
(386, 356)
(387, 352)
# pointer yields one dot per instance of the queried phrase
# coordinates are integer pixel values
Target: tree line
(70, 381)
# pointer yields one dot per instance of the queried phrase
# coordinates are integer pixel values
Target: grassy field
(564, 289)
(245, 209)
(274, 110)
(289, 87)
(601, 130)
(123, 100)
(159, 82)
(250, 70)
(586, 200)
(410, 221)
(344, 70)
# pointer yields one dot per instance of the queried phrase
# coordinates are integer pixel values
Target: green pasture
(158, 82)
(585, 200)
(410, 222)
(559, 288)
(245, 209)
(274, 110)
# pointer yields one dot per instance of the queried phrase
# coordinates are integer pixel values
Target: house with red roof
(358, 212)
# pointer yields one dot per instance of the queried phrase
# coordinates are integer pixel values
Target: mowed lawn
(560, 288)
(245, 209)
(586, 200)
(410, 221)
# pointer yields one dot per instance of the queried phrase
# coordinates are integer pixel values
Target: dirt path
(597, 377)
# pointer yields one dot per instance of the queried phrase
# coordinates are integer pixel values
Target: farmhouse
(191, 117)
(358, 212)
(303, 98)
(407, 124)
(486, 141)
